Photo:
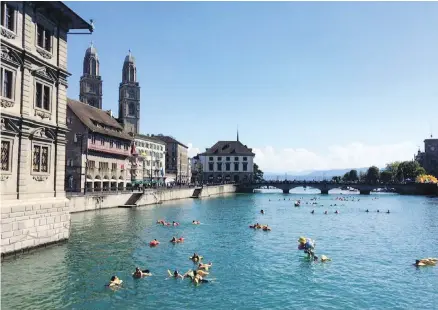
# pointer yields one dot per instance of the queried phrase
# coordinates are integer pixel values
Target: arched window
(93, 66)
(131, 74)
(131, 109)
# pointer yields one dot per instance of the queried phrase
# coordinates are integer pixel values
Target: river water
(371, 268)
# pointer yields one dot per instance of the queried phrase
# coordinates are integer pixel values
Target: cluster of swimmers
(260, 226)
(378, 211)
(325, 212)
(196, 276)
(164, 223)
(308, 246)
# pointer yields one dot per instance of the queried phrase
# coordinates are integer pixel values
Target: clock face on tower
(432, 148)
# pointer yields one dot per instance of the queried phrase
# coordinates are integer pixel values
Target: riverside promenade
(25, 228)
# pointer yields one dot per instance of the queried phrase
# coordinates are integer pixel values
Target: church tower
(129, 96)
(91, 82)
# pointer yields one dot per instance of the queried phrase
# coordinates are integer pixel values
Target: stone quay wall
(183, 193)
(26, 225)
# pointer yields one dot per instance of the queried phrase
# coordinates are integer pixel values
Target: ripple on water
(371, 269)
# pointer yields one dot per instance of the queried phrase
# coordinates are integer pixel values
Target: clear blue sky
(289, 74)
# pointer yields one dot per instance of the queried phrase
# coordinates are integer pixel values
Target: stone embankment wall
(27, 225)
(174, 194)
(88, 203)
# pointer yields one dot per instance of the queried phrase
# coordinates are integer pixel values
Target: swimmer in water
(313, 211)
(173, 240)
(115, 281)
(195, 257)
(336, 212)
(325, 212)
(141, 273)
(262, 212)
(426, 262)
(387, 211)
(204, 266)
(378, 211)
(367, 210)
(176, 275)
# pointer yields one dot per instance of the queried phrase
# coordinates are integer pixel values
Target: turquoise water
(371, 269)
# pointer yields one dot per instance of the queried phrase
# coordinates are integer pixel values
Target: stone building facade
(227, 161)
(33, 121)
(149, 161)
(429, 158)
(98, 149)
(177, 160)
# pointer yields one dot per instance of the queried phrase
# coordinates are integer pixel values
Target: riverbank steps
(26, 225)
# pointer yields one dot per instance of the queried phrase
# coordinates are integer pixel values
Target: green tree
(373, 174)
(346, 177)
(411, 169)
(393, 167)
(420, 171)
(258, 174)
(336, 179)
(352, 175)
(386, 176)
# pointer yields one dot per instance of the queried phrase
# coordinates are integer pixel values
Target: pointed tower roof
(237, 133)
(129, 58)
(91, 51)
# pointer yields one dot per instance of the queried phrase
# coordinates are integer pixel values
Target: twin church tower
(129, 89)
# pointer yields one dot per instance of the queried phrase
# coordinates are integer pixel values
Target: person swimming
(195, 257)
(336, 212)
(426, 262)
(387, 212)
(196, 222)
(367, 210)
(266, 228)
(115, 281)
(173, 239)
(262, 212)
(325, 212)
(313, 212)
(204, 266)
(140, 273)
(378, 211)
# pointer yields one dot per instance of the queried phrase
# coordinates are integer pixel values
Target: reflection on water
(372, 255)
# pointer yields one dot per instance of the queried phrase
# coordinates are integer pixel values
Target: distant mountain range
(310, 174)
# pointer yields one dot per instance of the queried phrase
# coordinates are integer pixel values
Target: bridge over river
(326, 186)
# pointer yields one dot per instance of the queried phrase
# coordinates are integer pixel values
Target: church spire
(237, 133)
(91, 82)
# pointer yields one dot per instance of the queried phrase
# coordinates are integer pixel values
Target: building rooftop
(97, 120)
(66, 16)
(168, 139)
(150, 138)
(229, 148)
